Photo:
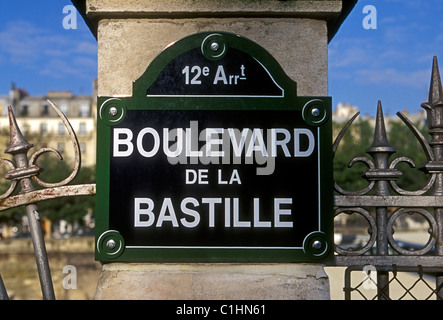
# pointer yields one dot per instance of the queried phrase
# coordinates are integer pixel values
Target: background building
(42, 127)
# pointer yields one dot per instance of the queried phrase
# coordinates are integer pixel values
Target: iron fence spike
(17, 143)
(380, 142)
(436, 89)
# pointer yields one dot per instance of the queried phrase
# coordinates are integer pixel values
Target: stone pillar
(130, 33)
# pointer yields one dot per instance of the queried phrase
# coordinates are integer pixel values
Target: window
(43, 128)
(82, 129)
(45, 110)
(61, 129)
(84, 109)
(82, 147)
(64, 108)
(24, 110)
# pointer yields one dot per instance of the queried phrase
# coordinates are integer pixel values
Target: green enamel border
(139, 101)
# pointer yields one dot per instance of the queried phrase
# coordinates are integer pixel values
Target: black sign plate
(214, 158)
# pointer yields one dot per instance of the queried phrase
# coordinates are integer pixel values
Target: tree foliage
(360, 137)
(71, 209)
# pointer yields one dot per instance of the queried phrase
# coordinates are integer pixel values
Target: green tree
(71, 209)
(407, 145)
(352, 145)
(360, 136)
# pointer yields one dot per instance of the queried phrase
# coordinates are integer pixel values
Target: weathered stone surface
(299, 45)
(295, 8)
(213, 282)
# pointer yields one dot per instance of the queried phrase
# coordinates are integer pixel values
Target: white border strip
(203, 247)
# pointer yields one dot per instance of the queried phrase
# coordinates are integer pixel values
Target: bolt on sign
(214, 158)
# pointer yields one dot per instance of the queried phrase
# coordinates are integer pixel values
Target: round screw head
(315, 112)
(111, 244)
(113, 111)
(215, 46)
(316, 245)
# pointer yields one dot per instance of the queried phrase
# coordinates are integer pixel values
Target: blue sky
(38, 54)
(391, 63)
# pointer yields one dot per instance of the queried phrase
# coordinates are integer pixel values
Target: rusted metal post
(434, 110)
(3, 293)
(380, 151)
(19, 147)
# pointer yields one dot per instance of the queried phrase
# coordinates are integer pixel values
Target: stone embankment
(74, 271)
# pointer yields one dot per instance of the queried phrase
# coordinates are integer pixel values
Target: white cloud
(20, 41)
(85, 47)
(390, 76)
(56, 54)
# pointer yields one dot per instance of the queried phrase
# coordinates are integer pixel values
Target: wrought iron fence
(25, 172)
(420, 285)
(383, 201)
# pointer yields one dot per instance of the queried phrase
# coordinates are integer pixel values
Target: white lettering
(139, 211)
(237, 222)
(257, 222)
(227, 212)
(192, 141)
(279, 212)
(145, 215)
(211, 213)
(220, 75)
(235, 177)
(155, 147)
(192, 176)
(167, 206)
(282, 143)
(212, 142)
(168, 136)
(249, 143)
(188, 174)
(238, 145)
(190, 212)
(311, 144)
(257, 136)
(118, 141)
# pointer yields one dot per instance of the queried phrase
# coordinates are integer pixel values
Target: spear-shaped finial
(17, 143)
(435, 100)
(436, 90)
(380, 143)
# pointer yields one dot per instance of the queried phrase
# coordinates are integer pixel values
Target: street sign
(214, 158)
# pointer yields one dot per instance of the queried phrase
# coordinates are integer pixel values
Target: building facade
(42, 127)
